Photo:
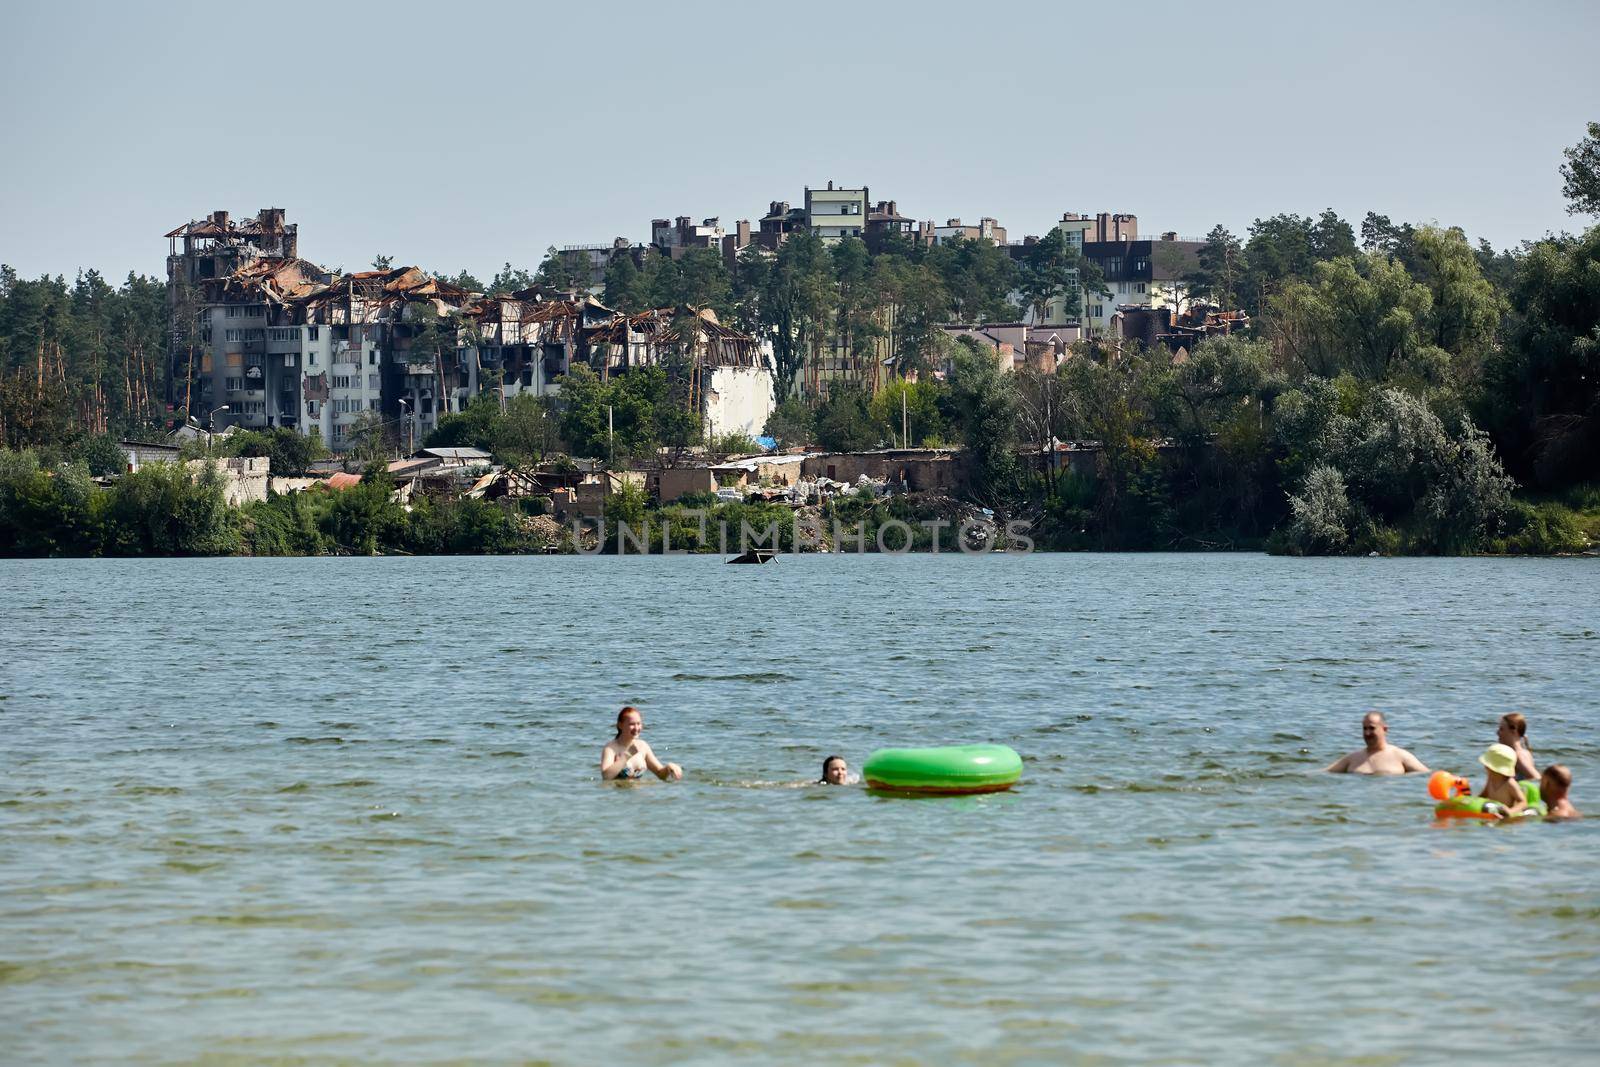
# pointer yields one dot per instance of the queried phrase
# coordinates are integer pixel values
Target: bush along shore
(168, 510)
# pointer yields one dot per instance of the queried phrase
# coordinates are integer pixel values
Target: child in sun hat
(1501, 785)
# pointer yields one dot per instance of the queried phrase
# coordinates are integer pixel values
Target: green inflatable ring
(950, 771)
(1484, 808)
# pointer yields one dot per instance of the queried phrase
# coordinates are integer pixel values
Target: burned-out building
(263, 338)
(727, 371)
(227, 283)
(266, 339)
(528, 339)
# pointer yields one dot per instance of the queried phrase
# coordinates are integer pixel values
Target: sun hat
(1500, 759)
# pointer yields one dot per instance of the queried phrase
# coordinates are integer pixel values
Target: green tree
(474, 427)
(564, 270)
(623, 292)
(1580, 174)
(1216, 278)
(1402, 470)
(919, 403)
(46, 513)
(983, 407)
(844, 423)
(1541, 396)
(646, 413)
(857, 326)
(979, 276)
(703, 281)
(791, 423)
(362, 519)
(1286, 248)
(527, 431)
(101, 455)
(289, 454)
(1050, 271)
(1466, 309)
(508, 280)
(369, 437)
(797, 305)
(1373, 324)
(166, 510)
(1379, 234)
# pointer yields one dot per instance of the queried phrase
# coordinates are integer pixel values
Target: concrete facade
(918, 469)
(243, 479)
(834, 214)
(738, 400)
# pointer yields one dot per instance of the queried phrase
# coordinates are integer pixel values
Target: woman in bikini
(628, 755)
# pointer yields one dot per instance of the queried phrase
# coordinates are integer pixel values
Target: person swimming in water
(1513, 733)
(834, 771)
(1378, 757)
(1500, 783)
(1553, 786)
(628, 755)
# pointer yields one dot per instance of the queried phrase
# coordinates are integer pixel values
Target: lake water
(348, 809)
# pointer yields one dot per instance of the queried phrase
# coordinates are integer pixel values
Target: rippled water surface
(338, 809)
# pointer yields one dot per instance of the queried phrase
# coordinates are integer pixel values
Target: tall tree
(1050, 272)
(703, 281)
(1541, 397)
(622, 285)
(509, 279)
(1580, 174)
(1216, 278)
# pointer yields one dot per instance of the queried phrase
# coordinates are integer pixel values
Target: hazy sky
(463, 136)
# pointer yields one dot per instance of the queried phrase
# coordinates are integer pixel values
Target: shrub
(1319, 516)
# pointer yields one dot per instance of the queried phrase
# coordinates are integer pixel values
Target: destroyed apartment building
(262, 338)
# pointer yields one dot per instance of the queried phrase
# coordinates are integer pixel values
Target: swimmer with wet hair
(1512, 731)
(834, 771)
(1553, 786)
(629, 756)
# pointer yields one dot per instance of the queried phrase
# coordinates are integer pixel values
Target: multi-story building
(218, 345)
(675, 237)
(1138, 272)
(778, 223)
(834, 214)
(885, 219)
(987, 229)
(591, 261)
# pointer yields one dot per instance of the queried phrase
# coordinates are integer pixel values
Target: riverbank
(163, 510)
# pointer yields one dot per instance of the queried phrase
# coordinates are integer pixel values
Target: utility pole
(905, 425)
(611, 438)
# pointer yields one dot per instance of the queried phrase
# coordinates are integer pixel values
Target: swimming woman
(834, 771)
(1513, 733)
(628, 755)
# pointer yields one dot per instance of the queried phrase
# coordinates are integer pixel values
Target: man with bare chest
(1378, 757)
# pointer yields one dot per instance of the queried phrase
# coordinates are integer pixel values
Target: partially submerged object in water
(1457, 802)
(953, 770)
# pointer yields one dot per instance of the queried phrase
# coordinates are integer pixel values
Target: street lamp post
(405, 411)
(211, 423)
